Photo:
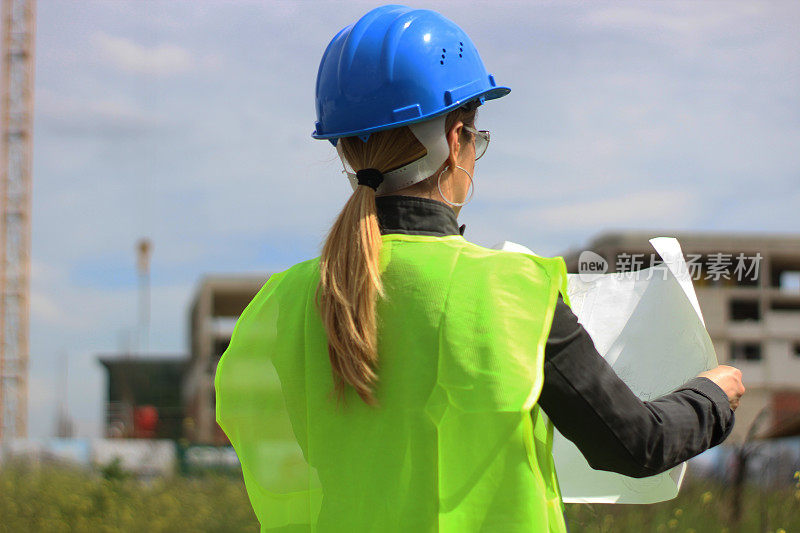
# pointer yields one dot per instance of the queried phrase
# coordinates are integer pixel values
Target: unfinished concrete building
(217, 303)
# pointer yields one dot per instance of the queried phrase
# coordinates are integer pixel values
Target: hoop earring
(471, 187)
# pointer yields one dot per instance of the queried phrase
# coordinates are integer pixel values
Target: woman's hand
(729, 379)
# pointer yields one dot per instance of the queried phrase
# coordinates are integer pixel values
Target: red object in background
(145, 421)
(786, 405)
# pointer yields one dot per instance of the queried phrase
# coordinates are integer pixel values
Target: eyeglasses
(481, 140)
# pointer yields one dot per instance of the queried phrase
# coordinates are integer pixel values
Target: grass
(55, 498)
(701, 506)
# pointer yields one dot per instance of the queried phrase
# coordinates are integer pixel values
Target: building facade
(217, 303)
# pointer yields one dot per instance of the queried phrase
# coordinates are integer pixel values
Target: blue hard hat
(396, 66)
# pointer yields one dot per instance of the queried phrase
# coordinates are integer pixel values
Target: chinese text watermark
(715, 267)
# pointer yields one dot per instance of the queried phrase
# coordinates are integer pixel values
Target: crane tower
(16, 121)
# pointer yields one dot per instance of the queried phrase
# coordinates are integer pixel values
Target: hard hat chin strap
(432, 136)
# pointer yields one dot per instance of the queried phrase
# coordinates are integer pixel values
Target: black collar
(413, 215)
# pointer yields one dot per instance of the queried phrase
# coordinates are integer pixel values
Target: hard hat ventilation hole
(441, 62)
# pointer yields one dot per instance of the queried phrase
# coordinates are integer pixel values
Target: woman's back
(392, 383)
(451, 444)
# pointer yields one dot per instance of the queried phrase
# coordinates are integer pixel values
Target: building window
(741, 310)
(785, 274)
(789, 280)
(745, 351)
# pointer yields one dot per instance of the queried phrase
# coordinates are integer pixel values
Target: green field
(53, 498)
(701, 506)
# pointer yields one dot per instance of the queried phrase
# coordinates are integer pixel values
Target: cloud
(670, 21)
(44, 305)
(45, 310)
(162, 59)
(102, 117)
(669, 207)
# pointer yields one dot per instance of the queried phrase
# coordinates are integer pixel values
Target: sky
(190, 123)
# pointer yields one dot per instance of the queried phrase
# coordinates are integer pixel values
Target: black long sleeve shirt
(583, 396)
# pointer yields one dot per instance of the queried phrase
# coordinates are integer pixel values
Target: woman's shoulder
(303, 268)
(299, 274)
(296, 271)
(519, 258)
(288, 279)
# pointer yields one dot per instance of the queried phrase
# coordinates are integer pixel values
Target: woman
(407, 379)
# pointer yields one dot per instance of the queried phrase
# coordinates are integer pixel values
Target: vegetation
(58, 498)
(54, 498)
(701, 506)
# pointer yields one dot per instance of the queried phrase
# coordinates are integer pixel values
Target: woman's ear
(452, 140)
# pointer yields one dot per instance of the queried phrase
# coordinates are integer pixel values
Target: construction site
(754, 322)
(158, 412)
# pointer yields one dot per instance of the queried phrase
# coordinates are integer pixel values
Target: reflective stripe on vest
(458, 442)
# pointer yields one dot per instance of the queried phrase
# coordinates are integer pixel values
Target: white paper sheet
(648, 326)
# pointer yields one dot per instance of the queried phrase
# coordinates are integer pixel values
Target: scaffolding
(16, 120)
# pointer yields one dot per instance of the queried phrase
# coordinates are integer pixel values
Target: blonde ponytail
(350, 280)
(349, 285)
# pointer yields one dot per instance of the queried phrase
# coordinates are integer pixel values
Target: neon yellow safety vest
(458, 442)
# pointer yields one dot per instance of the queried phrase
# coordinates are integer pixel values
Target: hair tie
(371, 177)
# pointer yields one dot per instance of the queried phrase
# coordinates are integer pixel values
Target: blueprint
(648, 325)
